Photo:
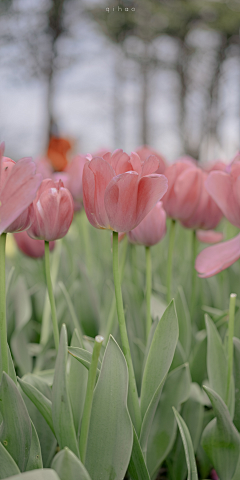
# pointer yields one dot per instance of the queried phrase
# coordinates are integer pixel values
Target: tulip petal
(18, 192)
(121, 201)
(150, 190)
(150, 165)
(136, 162)
(216, 258)
(88, 195)
(220, 187)
(188, 189)
(120, 162)
(209, 236)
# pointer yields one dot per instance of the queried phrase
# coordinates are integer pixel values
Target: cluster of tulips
(102, 423)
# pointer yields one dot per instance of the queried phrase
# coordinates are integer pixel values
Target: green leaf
(76, 323)
(160, 355)
(192, 413)
(43, 404)
(77, 384)
(69, 467)
(35, 456)
(61, 408)
(83, 356)
(110, 435)
(217, 362)
(236, 418)
(8, 466)
(188, 447)
(16, 430)
(197, 360)
(163, 432)
(137, 466)
(220, 438)
(184, 320)
(43, 474)
(19, 346)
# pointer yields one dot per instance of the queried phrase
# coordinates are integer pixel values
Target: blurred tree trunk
(144, 69)
(118, 106)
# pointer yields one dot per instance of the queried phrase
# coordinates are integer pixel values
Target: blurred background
(119, 74)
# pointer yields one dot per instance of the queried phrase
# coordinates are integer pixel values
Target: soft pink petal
(188, 188)
(121, 201)
(220, 187)
(150, 165)
(89, 195)
(150, 190)
(120, 162)
(209, 236)
(151, 229)
(18, 192)
(216, 258)
(103, 173)
(136, 162)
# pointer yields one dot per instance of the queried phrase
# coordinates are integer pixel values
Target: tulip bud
(152, 228)
(30, 247)
(51, 212)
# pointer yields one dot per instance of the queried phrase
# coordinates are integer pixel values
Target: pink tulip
(28, 246)
(224, 188)
(18, 188)
(216, 258)
(144, 152)
(75, 173)
(51, 211)
(184, 189)
(44, 167)
(207, 214)
(214, 475)
(209, 236)
(119, 190)
(152, 228)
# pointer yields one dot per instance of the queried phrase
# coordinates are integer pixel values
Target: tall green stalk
(170, 259)
(230, 341)
(3, 320)
(51, 296)
(134, 406)
(89, 398)
(148, 290)
(194, 273)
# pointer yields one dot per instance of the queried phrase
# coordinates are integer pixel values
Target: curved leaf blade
(188, 447)
(69, 467)
(8, 466)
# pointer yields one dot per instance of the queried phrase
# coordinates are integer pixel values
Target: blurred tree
(147, 20)
(37, 31)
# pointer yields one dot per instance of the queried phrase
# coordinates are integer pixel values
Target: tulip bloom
(119, 190)
(144, 152)
(224, 187)
(184, 189)
(209, 236)
(152, 228)
(74, 184)
(51, 212)
(18, 188)
(207, 214)
(28, 246)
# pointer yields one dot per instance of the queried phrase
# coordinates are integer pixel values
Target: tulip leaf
(42, 474)
(163, 431)
(197, 359)
(137, 466)
(43, 404)
(69, 467)
(184, 320)
(77, 384)
(188, 447)
(83, 356)
(61, 407)
(217, 362)
(16, 430)
(35, 456)
(220, 439)
(110, 434)
(160, 355)
(8, 466)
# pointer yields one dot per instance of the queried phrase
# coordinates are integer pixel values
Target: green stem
(45, 328)
(110, 320)
(3, 320)
(51, 296)
(148, 290)
(89, 398)
(170, 259)
(230, 342)
(134, 406)
(194, 273)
